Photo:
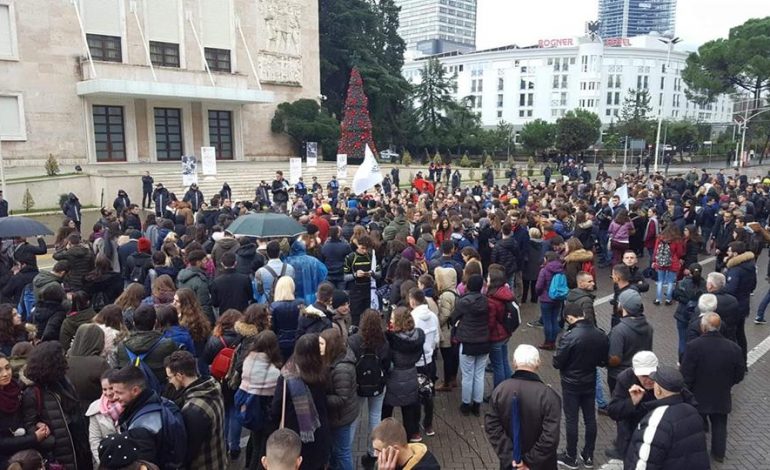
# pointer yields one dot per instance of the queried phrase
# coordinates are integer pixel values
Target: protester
(86, 363)
(471, 317)
(102, 414)
(389, 441)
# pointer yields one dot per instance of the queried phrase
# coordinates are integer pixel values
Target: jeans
(374, 405)
(550, 316)
(666, 278)
(763, 306)
(472, 368)
(232, 429)
(573, 403)
(718, 433)
(501, 367)
(681, 328)
(451, 357)
(600, 401)
(146, 196)
(604, 254)
(342, 448)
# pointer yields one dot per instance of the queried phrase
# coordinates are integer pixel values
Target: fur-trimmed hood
(312, 311)
(579, 256)
(586, 225)
(740, 259)
(246, 329)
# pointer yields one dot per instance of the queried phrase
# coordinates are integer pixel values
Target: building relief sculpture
(280, 57)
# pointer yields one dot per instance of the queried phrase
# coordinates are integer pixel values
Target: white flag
(622, 193)
(368, 174)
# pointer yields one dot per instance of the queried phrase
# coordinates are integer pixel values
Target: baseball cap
(630, 301)
(668, 378)
(644, 363)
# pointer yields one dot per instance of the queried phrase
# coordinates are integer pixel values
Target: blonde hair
(446, 278)
(534, 233)
(284, 289)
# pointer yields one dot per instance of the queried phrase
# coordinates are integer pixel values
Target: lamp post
(670, 42)
(745, 124)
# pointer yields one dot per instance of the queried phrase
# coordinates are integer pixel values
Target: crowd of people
(160, 343)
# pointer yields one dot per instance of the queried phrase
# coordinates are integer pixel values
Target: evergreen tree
(356, 128)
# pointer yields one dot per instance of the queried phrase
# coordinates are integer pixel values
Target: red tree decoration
(356, 128)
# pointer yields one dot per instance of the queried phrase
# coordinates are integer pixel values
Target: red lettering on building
(564, 42)
(617, 42)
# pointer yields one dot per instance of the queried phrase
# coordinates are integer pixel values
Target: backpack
(26, 306)
(249, 410)
(558, 289)
(369, 375)
(99, 301)
(663, 256)
(138, 274)
(512, 317)
(430, 251)
(222, 361)
(588, 267)
(276, 277)
(138, 360)
(173, 434)
(233, 376)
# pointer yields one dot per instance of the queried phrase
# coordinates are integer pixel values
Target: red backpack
(588, 267)
(222, 361)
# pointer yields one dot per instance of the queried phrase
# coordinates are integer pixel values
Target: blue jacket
(309, 272)
(181, 336)
(333, 253)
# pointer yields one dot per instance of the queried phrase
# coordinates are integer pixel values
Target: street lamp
(670, 42)
(745, 124)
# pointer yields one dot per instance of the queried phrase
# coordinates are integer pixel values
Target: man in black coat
(723, 303)
(671, 435)
(711, 366)
(195, 197)
(280, 190)
(22, 250)
(230, 289)
(147, 181)
(506, 253)
(581, 350)
(741, 282)
(161, 198)
(24, 271)
(722, 235)
(627, 409)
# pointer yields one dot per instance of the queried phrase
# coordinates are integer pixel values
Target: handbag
(424, 383)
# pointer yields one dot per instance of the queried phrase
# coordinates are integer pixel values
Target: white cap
(644, 363)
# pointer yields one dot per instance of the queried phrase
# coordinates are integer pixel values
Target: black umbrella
(266, 225)
(21, 227)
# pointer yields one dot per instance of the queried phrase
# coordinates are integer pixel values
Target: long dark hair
(102, 266)
(267, 342)
(9, 332)
(307, 358)
(694, 235)
(497, 278)
(46, 364)
(370, 329)
(335, 346)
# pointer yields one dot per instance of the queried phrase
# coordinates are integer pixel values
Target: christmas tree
(356, 128)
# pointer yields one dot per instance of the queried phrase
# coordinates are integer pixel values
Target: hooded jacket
(309, 272)
(248, 259)
(43, 279)
(72, 322)
(81, 261)
(585, 300)
(86, 364)
(472, 313)
(543, 284)
(195, 278)
(334, 253)
(313, 320)
(506, 253)
(398, 226)
(573, 264)
(426, 320)
(406, 349)
(496, 304)
(49, 317)
(222, 246)
(631, 335)
(204, 411)
(139, 342)
(342, 399)
(741, 279)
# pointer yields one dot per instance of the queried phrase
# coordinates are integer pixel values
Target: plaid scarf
(304, 407)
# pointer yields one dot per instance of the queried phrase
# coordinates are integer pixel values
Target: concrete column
(142, 137)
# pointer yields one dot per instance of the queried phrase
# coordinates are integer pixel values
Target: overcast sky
(523, 22)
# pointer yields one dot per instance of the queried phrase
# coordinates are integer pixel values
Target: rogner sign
(547, 43)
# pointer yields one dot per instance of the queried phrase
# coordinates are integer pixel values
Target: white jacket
(99, 427)
(427, 321)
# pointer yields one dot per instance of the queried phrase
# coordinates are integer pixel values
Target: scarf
(259, 375)
(10, 398)
(304, 407)
(111, 409)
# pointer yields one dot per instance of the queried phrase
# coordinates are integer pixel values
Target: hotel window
(164, 54)
(529, 113)
(106, 48)
(499, 113)
(564, 81)
(617, 98)
(218, 59)
(109, 135)
(555, 81)
(521, 113)
(221, 133)
(168, 133)
(500, 101)
(530, 99)
(609, 97)
(522, 99)
(500, 84)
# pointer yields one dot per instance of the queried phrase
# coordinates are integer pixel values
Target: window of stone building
(109, 133)
(8, 42)
(164, 54)
(218, 59)
(106, 48)
(168, 133)
(221, 133)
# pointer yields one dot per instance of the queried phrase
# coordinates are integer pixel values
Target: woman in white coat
(103, 416)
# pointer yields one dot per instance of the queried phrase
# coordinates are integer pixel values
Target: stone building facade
(114, 81)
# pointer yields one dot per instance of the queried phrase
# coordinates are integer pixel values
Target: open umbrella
(22, 227)
(266, 225)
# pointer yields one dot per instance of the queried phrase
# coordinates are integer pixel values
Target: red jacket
(677, 252)
(496, 304)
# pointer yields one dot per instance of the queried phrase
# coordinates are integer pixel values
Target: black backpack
(512, 317)
(369, 375)
(139, 273)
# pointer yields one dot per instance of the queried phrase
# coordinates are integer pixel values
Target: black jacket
(15, 286)
(135, 260)
(622, 410)
(711, 366)
(313, 319)
(506, 253)
(140, 429)
(333, 254)
(581, 350)
(195, 198)
(139, 342)
(472, 313)
(741, 279)
(110, 284)
(585, 300)
(342, 391)
(248, 259)
(279, 190)
(24, 250)
(81, 260)
(10, 444)
(49, 317)
(406, 349)
(231, 290)
(687, 293)
(315, 453)
(671, 437)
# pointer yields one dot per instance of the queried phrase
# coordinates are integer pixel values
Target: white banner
(295, 170)
(622, 194)
(342, 166)
(368, 174)
(312, 154)
(189, 170)
(209, 160)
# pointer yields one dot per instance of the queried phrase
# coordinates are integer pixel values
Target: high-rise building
(629, 18)
(436, 26)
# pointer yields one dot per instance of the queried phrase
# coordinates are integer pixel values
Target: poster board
(189, 170)
(295, 170)
(312, 154)
(342, 166)
(209, 161)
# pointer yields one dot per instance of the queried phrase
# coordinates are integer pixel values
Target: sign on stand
(189, 170)
(312, 154)
(209, 161)
(295, 170)
(342, 166)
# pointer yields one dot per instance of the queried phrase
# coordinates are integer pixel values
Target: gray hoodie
(631, 335)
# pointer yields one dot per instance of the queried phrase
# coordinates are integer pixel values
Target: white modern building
(438, 26)
(556, 75)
